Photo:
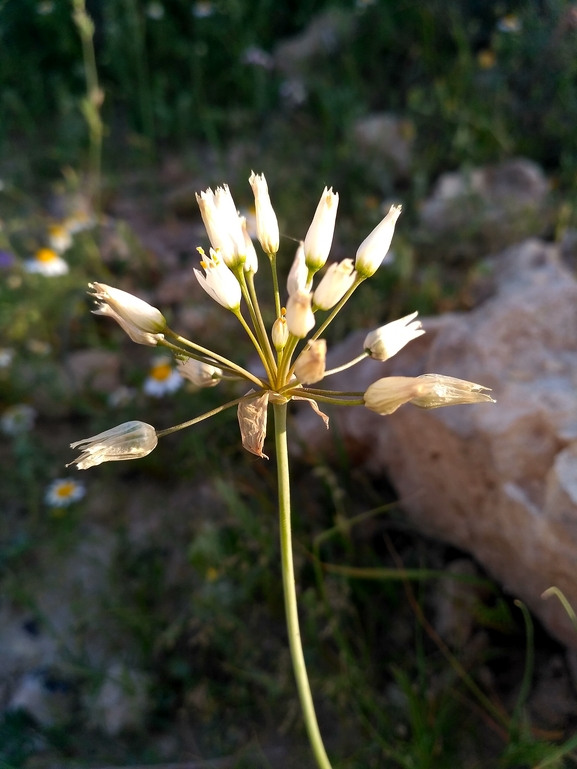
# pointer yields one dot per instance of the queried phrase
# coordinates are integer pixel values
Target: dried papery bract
(252, 420)
(311, 363)
(130, 440)
(437, 390)
(199, 373)
(375, 246)
(319, 238)
(335, 283)
(299, 315)
(387, 340)
(266, 222)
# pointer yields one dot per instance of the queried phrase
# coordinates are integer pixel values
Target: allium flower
(386, 395)
(257, 57)
(375, 246)
(299, 315)
(437, 390)
(18, 419)
(335, 283)
(141, 321)
(222, 224)
(218, 281)
(428, 391)
(63, 492)
(130, 440)
(266, 221)
(299, 272)
(202, 9)
(251, 261)
(199, 373)
(319, 238)
(310, 365)
(162, 379)
(386, 341)
(46, 262)
(59, 238)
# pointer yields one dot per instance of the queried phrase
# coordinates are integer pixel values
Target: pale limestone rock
(474, 212)
(384, 142)
(122, 702)
(97, 370)
(497, 480)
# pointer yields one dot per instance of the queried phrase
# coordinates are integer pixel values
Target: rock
(498, 481)
(384, 142)
(121, 703)
(47, 699)
(97, 370)
(321, 38)
(470, 214)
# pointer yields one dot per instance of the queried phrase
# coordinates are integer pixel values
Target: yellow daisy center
(65, 490)
(161, 372)
(46, 255)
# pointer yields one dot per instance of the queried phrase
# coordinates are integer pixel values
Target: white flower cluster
(227, 275)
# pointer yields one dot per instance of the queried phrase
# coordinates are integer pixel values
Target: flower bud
(230, 221)
(299, 272)
(266, 221)
(251, 261)
(130, 440)
(386, 395)
(218, 281)
(142, 322)
(335, 283)
(280, 332)
(216, 229)
(386, 341)
(375, 246)
(311, 364)
(437, 390)
(199, 373)
(299, 315)
(319, 237)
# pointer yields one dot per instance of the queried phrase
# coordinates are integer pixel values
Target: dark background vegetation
(189, 592)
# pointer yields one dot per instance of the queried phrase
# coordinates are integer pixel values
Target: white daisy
(17, 419)
(59, 237)
(162, 379)
(46, 262)
(63, 492)
(6, 357)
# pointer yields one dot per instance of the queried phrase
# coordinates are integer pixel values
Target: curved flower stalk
(290, 374)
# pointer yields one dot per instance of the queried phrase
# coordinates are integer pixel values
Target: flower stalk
(227, 276)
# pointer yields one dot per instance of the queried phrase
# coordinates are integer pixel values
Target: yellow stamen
(46, 255)
(65, 490)
(161, 371)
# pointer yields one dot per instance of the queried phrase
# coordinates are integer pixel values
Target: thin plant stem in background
(283, 380)
(92, 103)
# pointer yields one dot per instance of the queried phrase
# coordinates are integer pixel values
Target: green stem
(337, 308)
(290, 597)
(218, 358)
(272, 258)
(257, 346)
(259, 319)
(202, 417)
(353, 362)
